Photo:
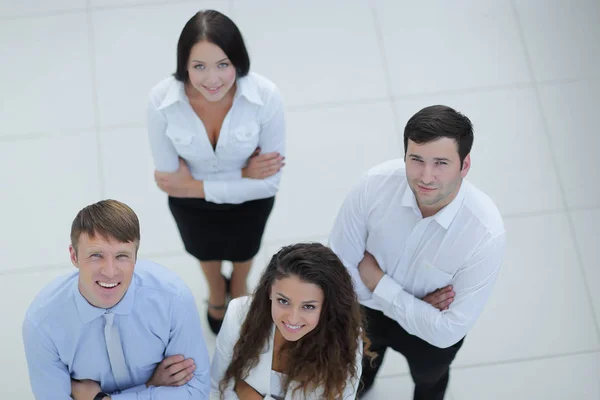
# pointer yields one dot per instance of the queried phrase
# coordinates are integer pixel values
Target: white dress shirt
(463, 245)
(256, 119)
(261, 376)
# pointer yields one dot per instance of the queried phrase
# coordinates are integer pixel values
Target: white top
(277, 379)
(256, 119)
(463, 245)
(261, 377)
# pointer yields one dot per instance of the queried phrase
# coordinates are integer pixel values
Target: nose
(293, 317)
(427, 175)
(109, 269)
(212, 77)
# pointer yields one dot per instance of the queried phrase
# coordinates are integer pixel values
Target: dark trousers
(429, 365)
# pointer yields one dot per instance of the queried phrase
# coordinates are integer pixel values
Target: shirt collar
(245, 87)
(446, 215)
(88, 312)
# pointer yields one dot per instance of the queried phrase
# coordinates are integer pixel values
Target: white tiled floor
(75, 77)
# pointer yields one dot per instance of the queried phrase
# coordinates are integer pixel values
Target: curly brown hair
(326, 356)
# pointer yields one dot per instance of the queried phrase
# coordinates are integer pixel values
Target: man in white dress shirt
(424, 247)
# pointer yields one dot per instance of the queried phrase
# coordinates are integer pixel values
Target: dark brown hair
(218, 29)
(109, 219)
(325, 358)
(434, 122)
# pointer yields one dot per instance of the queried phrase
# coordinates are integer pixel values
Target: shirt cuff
(386, 291)
(128, 394)
(214, 191)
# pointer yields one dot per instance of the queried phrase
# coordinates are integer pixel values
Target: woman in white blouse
(217, 136)
(299, 336)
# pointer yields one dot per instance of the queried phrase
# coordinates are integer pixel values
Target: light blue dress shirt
(64, 337)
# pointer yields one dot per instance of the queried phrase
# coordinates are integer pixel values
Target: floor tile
(132, 58)
(570, 110)
(332, 56)
(437, 46)
(563, 38)
(587, 233)
(539, 306)
(46, 182)
(571, 377)
(45, 88)
(511, 159)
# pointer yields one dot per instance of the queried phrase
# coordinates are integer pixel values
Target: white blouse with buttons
(256, 119)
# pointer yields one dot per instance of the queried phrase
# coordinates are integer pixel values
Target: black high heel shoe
(215, 323)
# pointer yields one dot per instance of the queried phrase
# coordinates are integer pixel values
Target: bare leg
(239, 277)
(216, 287)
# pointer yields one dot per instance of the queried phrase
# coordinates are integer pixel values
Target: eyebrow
(304, 302)
(220, 61)
(435, 158)
(98, 251)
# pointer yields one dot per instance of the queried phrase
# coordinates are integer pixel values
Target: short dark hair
(434, 122)
(109, 219)
(216, 28)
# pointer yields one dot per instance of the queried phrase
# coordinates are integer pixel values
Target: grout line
(383, 375)
(526, 359)
(469, 90)
(295, 108)
(387, 75)
(95, 101)
(151, 4)
(555, 164)
(284, 241)
(91, 8)
(43, 14)
(565, 81)
(40, 135)
(336, 104)
(528, 214)
(33, 269)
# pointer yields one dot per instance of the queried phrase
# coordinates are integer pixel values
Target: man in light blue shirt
(116, 328)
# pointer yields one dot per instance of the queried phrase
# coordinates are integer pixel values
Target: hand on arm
(471, 287)
(440, 298)
(180, 183)
(173, 371)
(261, 166)
(261, 177)
(371, 274)
(85, 389)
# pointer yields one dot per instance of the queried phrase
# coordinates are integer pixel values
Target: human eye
(283, 302)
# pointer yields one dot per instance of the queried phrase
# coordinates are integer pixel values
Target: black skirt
(228, 232)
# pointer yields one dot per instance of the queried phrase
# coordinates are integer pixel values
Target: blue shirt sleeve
(186, 338)
(49, 377)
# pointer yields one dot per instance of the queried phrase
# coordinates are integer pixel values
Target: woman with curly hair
(299, 336)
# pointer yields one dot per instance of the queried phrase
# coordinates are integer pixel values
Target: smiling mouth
(293, 328)
(212, 89)
(108, 285)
